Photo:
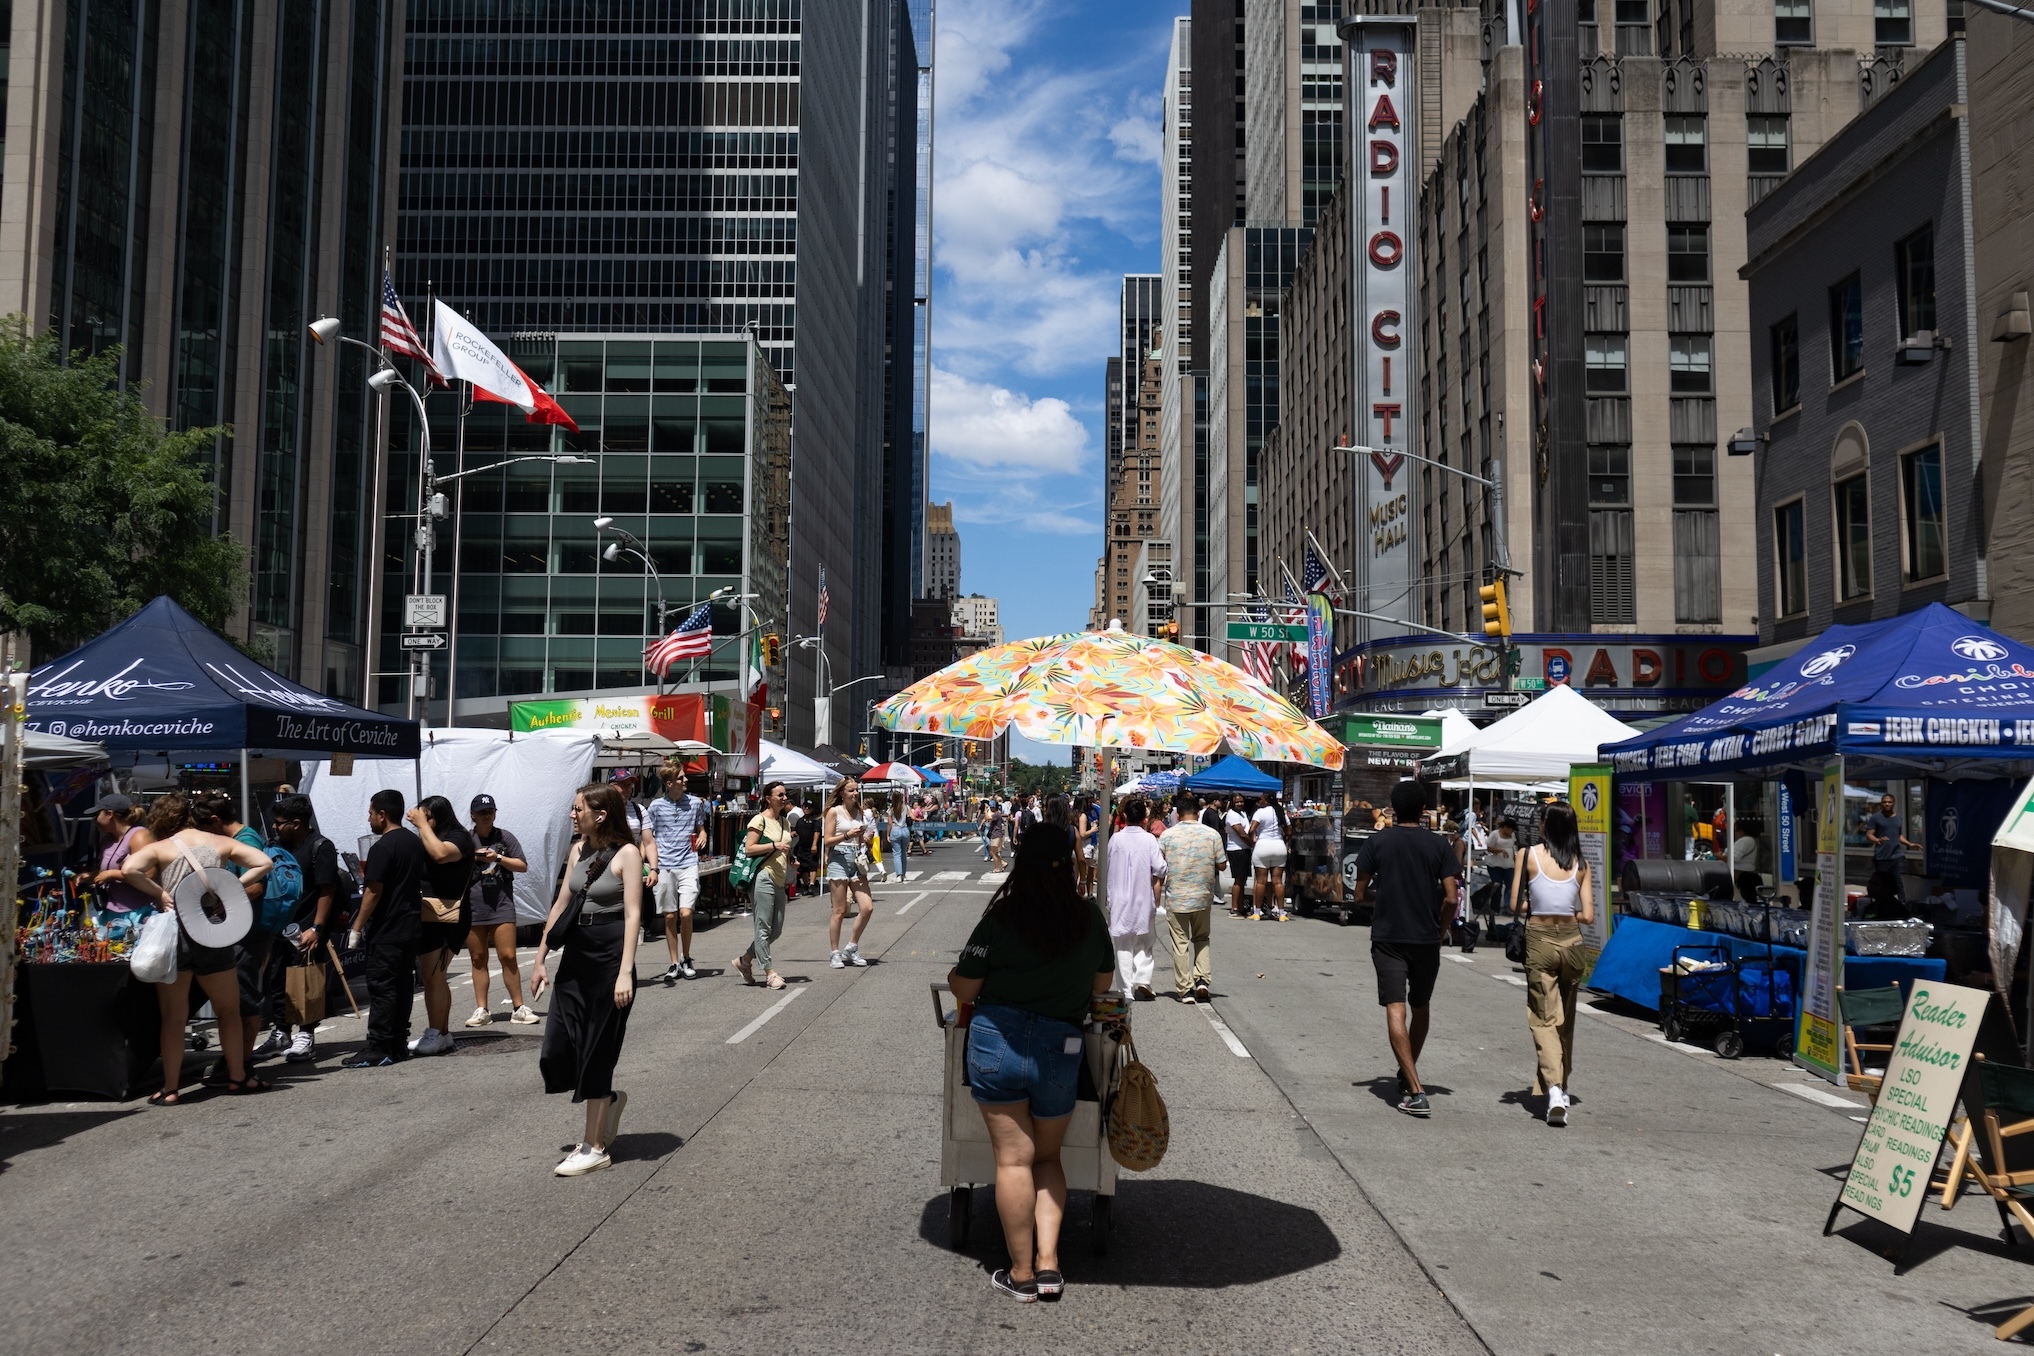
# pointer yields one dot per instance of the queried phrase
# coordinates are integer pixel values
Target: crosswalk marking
(753, 1027)
(1819, 1097)
(1511, 979)
(994, 877)
(1463, 960)
(948, 875)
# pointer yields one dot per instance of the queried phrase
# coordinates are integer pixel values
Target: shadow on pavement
(1928, 1241)
(25, 1134)
(1992, 1313)
(649, 1145)
(1170, 1232)
(1385, 1088)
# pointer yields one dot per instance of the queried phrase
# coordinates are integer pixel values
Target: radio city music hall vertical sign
(1380, 104)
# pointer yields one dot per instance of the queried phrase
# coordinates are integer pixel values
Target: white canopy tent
(1457, 730)
(779, 764)
(1540, 741)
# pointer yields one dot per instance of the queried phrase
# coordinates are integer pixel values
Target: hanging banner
(1816, 1044)
(1589, 791)
(1788, 829)
(729, 726)
(1320, 655)
(1962, 817)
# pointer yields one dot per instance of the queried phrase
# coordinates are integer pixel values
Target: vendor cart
(1726, 1001)
(966, 1159)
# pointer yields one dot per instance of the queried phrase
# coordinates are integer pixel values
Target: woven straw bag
(1139, 1128)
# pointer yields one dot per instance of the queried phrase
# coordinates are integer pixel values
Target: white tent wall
(1541, 740)
(532, 778)
(794, 769)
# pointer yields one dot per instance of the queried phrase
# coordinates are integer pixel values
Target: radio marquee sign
(1380, 104)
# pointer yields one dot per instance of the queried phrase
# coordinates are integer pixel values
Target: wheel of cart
(966, 1158)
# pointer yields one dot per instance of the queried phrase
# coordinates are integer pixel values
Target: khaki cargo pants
(1553, 976)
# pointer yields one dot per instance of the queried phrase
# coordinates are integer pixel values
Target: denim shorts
(843, 863)
(1019, 1056)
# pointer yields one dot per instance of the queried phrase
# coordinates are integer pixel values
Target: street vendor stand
(163, 685)
(1927, 694)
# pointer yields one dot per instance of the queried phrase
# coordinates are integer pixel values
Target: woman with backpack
(1551, 891)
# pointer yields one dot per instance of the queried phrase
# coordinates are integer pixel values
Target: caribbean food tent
(163, 680)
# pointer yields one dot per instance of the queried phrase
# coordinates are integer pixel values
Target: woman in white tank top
(1552, 885)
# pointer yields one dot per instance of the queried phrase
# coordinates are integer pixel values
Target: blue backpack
(281, 890)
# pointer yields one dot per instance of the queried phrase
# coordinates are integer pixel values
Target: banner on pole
(1817, 1047)
(1320, 654)
(1589, 791)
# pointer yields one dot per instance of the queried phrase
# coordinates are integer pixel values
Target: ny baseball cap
(482, 802)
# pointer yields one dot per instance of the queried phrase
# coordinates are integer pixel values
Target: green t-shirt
(1015, 975)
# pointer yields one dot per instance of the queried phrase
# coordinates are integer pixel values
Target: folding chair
(2007, 1173)
(1867, 1008)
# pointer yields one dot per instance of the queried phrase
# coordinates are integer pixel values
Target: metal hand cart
(968, 1160)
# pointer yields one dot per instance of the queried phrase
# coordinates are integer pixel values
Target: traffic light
(1172, 632)
(773, 650)
(1496, 611)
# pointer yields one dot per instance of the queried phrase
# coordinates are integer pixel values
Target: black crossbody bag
(562, 929)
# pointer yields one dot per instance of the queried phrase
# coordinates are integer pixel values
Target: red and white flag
(548, 411)
(398, 335)
(692, 640)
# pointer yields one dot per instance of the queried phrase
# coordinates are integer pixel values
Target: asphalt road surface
(776, 1185)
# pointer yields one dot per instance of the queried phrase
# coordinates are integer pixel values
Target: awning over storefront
(1925, 692)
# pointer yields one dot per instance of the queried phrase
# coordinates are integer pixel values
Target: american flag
(1295, 615)
(398, 336)
(692, 640)
(1315, 576)
(1256, 656)
(822, 595)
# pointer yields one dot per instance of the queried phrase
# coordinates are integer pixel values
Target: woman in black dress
(603, 891)
(448, 914)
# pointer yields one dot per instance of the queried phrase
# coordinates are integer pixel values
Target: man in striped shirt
(674, 829)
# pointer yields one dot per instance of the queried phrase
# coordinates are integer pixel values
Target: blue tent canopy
(932, 778)
(1929, 691)
(1232, 774)
(164, 682)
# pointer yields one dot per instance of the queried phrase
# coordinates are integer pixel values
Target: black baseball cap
(481, 802)
(115, 802)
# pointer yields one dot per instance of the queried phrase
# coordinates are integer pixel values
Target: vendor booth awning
(1539, 742)
(163, 680)
(792, 768)
(1925, 692)
(932, 778)
(46, 752)
(1232, 774)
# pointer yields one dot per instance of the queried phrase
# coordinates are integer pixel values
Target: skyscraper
(1176, 501)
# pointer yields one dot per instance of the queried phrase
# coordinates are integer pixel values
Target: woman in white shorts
(1267, 855)
(845, 836)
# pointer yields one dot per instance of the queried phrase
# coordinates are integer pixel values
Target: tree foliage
(105, 509)
(1047, 779)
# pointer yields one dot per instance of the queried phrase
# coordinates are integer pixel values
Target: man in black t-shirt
(319, 861)
(388, 925)
(1410, 874)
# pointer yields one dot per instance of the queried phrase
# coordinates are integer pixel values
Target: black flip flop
(247, 1085)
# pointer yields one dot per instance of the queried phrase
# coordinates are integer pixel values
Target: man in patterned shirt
(1193, 856)
(674, 829)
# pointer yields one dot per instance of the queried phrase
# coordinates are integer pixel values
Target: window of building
(1793, 23)
(1922, 506)
(1790, 558)
(1633, 12)
(1613, 593)
(1893, 23)
(1698, 564)
(1606, 364)
(1846, 328)
(1786, 340)
(1688, 359)
(1694, 477)
(1853, 539)
(1602, 143)
(1915, 257)
(1610, 475)
(1603, 251)
(1687, 144)
(1766, 144)
(1687, 254)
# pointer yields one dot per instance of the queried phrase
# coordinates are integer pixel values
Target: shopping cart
(966, 1159)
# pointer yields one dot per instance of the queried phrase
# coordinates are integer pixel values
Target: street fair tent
(163, 680)
(1232, 774)
(1538, 742)
(829, 756)
(1457, 730)
(895, 774)
(932, 778)
(792, 768)
(46, 752)
(532, 777)
(1924, 693)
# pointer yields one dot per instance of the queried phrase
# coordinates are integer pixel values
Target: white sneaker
(836, 962)
(1557, 1107)
(582, 1160)
(522, 1016)
(480, 1018)
(853, 952)
(303, 1048)
(274, 1043)
(432, 1042)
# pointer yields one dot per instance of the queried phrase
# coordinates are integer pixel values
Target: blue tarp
(164, 682)
(1927, 691)
(1639, 949)
(1232, 774)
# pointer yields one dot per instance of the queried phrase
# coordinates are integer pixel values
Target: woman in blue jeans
(1038, 956)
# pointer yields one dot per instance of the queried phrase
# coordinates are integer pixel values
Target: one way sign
(424, 640)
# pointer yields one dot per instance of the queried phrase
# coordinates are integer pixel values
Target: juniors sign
(1379, 110)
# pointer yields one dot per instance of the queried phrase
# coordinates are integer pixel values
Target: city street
(776, 1186)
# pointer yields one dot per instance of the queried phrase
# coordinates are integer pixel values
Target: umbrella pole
(1102, 843)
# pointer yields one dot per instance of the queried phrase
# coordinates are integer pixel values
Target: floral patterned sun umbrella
(1111, 689)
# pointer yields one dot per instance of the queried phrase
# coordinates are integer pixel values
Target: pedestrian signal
(1496, 610)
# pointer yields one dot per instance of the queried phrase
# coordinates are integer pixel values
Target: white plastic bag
(154, 959)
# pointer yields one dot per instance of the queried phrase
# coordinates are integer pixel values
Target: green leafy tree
(105, 508)
(1047, 779)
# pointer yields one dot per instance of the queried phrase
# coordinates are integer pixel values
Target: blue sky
(1046, 192)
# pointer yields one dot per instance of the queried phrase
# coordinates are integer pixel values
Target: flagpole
(458, 530)
(1341, 585)
(376, 542)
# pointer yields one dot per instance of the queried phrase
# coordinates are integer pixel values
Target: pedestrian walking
(1193, 858)
(491, 903)
(1269, 831)
(1089, 827)
(387, 927)
(768, 836)
(900, 837)
(1136, 869)
(1236, 841)
(1552, 899)
(845, 836)
(997, 833)
(1024, 983)
(1410, 872)
(805, 849)
(597, 917)
(674, 830)
(313, 916)
(153, 873)
(447, 917)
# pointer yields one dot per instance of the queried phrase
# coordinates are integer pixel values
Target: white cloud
(984, 426)
(1020, 507)
(1137, 140)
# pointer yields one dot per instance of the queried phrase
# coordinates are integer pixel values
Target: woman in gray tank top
(1552, 886)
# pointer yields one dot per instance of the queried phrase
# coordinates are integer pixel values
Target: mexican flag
(755, 687)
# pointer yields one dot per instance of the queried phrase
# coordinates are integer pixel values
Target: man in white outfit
(1136, 867)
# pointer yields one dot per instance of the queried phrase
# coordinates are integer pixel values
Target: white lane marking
(1819, 1097)
(1236, 1047)
(948, 875)
(753, 1027)
(1511, 979)
(1460, 960)
(914, 901)
(1682, 1046)
(1862, 1120)
(994, 877)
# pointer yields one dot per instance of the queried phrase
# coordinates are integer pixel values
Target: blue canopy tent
(1929, 692)
(164, 682)
(1232, 774)
(932, 778)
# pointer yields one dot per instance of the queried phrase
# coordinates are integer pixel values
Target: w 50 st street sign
(1272, 632)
